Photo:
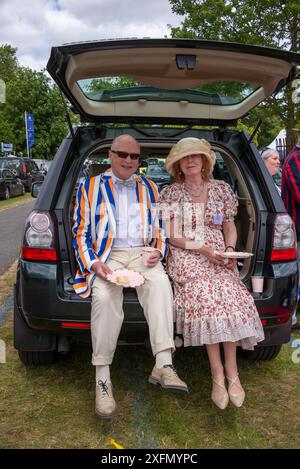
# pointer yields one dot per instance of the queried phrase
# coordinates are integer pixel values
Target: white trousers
(155, 296)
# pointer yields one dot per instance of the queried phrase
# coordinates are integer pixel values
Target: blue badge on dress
(218, 219)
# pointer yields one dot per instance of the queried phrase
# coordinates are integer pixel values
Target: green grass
(6, 282)
(14, 201)
(53, 406)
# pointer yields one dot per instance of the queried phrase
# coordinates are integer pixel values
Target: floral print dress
(212, 304)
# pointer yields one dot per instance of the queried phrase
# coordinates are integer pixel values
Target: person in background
(271, 159)
(115, 216)
(43, 169)
(290, 192)
(212, 304)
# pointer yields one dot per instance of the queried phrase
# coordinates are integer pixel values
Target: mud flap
(29, 339)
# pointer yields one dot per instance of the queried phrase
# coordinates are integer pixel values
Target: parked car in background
(188, 88)
(26, 169)
(10, 184)
(157, 173)
(43, 165)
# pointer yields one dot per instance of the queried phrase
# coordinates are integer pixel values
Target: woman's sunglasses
(125, 154)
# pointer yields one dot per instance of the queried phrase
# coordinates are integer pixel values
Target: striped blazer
(94, 226)
(290, 187)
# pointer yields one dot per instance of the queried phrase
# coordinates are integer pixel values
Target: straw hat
(190, 146)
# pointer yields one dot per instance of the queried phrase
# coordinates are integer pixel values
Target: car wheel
(36, 358)
(7, 194)
(263, 353)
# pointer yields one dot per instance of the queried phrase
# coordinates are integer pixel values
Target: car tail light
(284, 239)
(38, 239)
(75, 325)
(277, 313)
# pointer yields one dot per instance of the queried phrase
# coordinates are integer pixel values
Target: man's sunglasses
(125, 154)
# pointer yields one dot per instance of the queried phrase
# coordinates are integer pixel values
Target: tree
(270, 23)
(28, 90)
(8, 62)
(97, 88)
(31, 91)
(8, 70)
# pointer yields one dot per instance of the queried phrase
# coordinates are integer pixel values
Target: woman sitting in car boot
(212, 304)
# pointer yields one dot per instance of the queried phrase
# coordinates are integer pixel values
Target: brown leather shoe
(105, 403)
(168, 379)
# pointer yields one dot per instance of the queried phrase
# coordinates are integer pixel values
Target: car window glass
(8, 174)
(12, 164)
(219, 92)
(221, 170)
(151, 166)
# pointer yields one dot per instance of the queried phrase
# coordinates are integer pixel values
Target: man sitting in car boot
(115, 216)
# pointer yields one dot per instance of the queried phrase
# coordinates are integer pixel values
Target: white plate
(126, 278)
(235, 255)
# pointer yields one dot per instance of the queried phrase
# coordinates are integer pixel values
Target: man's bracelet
(227, 247)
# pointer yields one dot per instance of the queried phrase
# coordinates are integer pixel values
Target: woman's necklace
(195, 191)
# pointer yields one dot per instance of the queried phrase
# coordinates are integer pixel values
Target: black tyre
(36, 358)
(7, 194)
(263, 353)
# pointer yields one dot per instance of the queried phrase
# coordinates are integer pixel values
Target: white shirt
(128, 214)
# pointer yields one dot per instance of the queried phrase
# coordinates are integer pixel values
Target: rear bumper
(45, 303)
(277, 335)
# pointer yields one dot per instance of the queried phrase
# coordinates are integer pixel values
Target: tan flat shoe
(221, 399)
(237, 398)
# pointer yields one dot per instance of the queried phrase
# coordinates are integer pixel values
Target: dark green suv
(174, 89)
(25, 169)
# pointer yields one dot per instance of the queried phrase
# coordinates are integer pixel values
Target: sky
(34, 26)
